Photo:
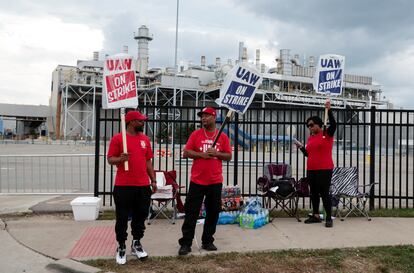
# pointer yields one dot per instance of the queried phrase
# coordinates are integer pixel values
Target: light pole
(175, 81)
(175, 59)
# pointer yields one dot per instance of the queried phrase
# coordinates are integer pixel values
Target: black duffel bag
(285, 186)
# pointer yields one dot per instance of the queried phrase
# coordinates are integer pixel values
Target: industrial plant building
(76, 90)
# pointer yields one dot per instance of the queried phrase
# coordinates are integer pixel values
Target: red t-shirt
(320, 152)
(139, 150)
(207, 171)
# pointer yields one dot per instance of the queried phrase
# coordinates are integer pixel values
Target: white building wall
(205, 77)
(181, 82)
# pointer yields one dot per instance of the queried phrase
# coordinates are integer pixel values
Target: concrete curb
(71, 266)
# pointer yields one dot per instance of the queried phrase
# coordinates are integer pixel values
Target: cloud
(205, 28)
(396, 69)
(358, 29)
(376, 16)
(36, 36)
(31, 49)
(375, 36)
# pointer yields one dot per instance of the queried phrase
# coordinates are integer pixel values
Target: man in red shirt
(206, 180)
(132, 191)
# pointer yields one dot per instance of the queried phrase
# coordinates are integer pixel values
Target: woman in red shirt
(320, 164)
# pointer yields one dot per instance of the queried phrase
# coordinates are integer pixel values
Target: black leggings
(320, 182)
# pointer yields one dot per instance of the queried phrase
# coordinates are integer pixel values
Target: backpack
(302, 187)
(263, 184)
(284, 186)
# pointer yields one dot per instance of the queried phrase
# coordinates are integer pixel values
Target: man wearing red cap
(206, 180)
(132, 191)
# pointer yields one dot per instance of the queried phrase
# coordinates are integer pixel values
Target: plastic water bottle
(220, 219)
(264, 218)
(245, 220)
(227, 217)
(258, 220)
(224, 217)
(254, 220)
(248, 220)
(241, 219)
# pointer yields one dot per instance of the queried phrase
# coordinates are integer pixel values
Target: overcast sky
(377, 37)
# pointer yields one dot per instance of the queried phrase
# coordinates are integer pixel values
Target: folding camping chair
(345, 190)
(166, 195)
(277, 184)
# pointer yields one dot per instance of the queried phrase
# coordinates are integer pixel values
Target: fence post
(97, 146)
(372, 159)
(236, 149)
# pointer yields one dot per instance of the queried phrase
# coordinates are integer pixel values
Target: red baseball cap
(207, 110)
(134, 115)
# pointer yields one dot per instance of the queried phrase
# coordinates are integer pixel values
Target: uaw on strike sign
(330, 74)
(119, 82)
(239, 87)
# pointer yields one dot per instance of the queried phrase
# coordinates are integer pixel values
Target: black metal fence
(379, 142)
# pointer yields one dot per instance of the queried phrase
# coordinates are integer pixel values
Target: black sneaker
(312, 219)
(329, 223)
(184, 250)
(209, 247)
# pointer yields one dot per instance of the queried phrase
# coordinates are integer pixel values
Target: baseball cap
(134, 115)
(207, 110)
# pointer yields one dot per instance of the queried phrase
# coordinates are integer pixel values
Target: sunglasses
(310, 125)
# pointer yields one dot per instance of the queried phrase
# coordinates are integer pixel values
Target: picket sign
(237, 91)
(120, 89)
(329, 79)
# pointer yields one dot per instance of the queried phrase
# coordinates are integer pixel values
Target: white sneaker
(120, 255)
(137, 250)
